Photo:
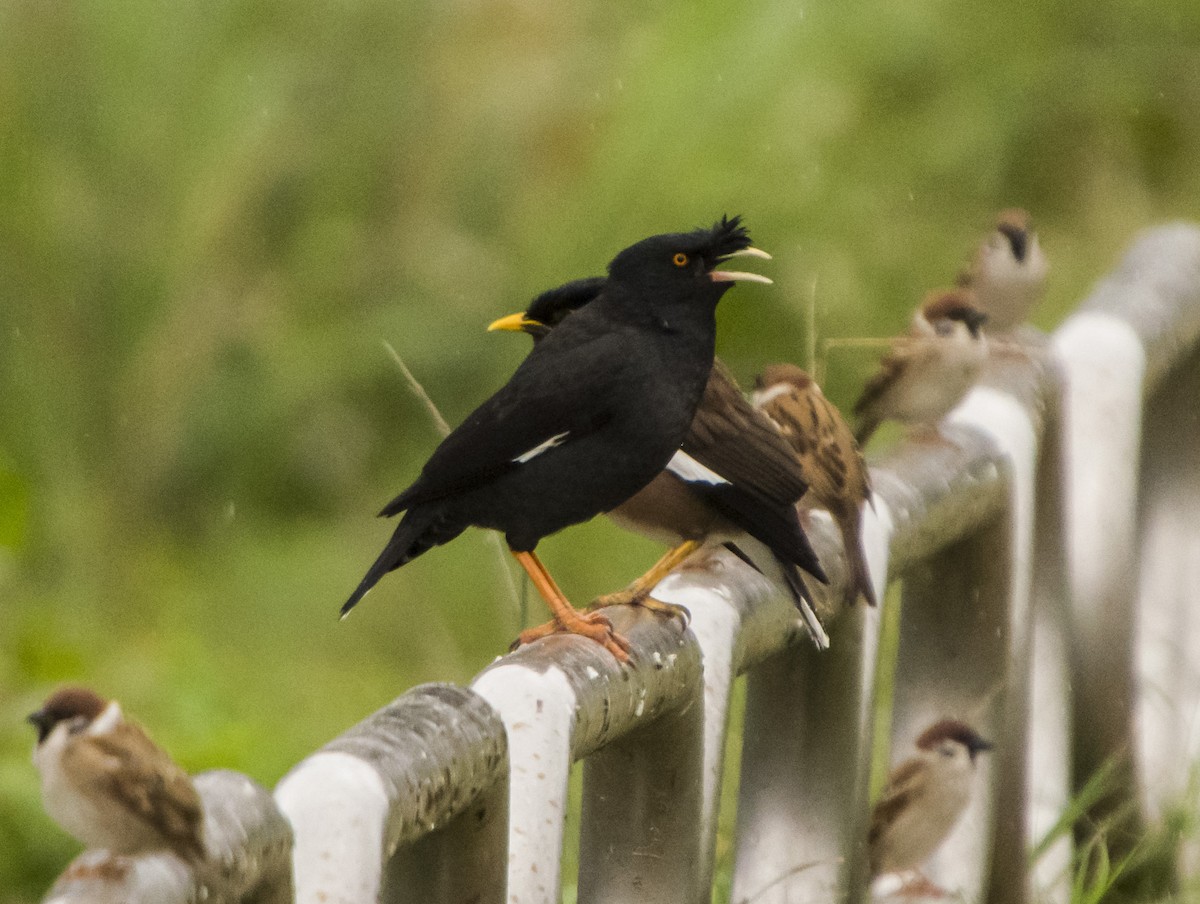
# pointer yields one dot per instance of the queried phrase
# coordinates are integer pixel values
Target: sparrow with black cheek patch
(734, 475)
(929, 371)
(594, 412)
(924, 797)
(105, 782)
(830, 459)
(1008, 272)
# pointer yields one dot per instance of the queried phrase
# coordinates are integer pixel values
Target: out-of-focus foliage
(212, 214)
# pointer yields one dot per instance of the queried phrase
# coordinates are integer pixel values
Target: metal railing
(1049, 553)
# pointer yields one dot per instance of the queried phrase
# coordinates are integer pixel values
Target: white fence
(1049, 552)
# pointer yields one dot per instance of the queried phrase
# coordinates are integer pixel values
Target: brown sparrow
(927, 372)
(830, 459)
(1008, 272)
(108, 784)
(924, 798)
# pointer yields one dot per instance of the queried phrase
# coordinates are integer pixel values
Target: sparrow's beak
(41, 721)
(975, 320)
(1017, 237)
(978, 745)
(517, 323)
(739, 276)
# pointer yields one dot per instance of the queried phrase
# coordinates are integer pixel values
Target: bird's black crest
(952, 730)
(723, 238)
(726, 236)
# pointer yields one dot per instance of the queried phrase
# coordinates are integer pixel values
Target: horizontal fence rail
(1049, 551)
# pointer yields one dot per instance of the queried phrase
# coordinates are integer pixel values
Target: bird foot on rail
(592, 625)
(918, 885)
(632, 596)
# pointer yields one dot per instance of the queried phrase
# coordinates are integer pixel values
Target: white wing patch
(689, 470)
(537, 450)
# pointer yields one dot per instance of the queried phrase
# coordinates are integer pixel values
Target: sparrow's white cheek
(59, 796)
(48, 753)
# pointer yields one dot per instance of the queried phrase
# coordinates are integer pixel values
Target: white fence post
(423, 767)
(1048, 752)
(639, 838)
(1130, 537)
(562, 699)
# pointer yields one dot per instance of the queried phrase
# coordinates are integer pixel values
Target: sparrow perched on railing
(108, 784)
(1008, 272)
(595, 411)
(927, 372)
(924, 797)
(733, 475)
(830, 459)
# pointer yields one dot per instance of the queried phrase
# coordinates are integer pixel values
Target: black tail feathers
(803, 600)
(418, 532)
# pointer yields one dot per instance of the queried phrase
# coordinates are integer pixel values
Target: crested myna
(733, 475)
(588, 418)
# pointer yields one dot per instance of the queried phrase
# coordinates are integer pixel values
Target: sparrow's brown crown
(65, 704)
(953, 304)
(953, 730)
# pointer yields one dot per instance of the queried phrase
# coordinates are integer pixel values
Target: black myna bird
(588, 418)
(733, 475)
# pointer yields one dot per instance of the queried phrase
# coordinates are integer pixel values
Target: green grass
(1107, 864)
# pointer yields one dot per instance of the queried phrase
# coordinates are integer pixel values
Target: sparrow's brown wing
(869, 409)
(130, 768)
(734, 439)
(905, 785)
(832, 463)
(830, 458)
(910, 357)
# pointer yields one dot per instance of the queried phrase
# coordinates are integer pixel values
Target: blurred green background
(212, 215)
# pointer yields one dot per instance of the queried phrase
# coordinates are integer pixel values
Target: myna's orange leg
(566, 618)
(638, 593)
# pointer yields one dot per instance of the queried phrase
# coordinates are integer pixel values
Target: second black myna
(733, 475)
(588, 418)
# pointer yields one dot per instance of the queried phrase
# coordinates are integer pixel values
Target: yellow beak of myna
(738, 275)
(517, 323)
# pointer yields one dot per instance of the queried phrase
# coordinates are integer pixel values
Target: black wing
(557, 395)
(737, 441)
(553, 305)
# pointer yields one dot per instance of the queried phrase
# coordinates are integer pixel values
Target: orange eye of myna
(680, 259)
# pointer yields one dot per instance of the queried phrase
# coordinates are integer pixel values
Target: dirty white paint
(538, 711)
(338, 809)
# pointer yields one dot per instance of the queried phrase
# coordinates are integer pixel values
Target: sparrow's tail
(419, 531)
(859, 582)
(803, 600)
(866, 427)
